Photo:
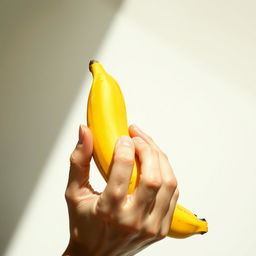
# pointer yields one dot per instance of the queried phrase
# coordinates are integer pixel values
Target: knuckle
(132, 227)
(70, 197)
(171, 183)
(124, 158)
(152, 182)
(103, 210)
(116, 195)
(67, 195)
(137, 227)
(73, 158)
(162, 235)
(152, 231)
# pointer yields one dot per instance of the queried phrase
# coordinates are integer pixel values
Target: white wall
(187, 72)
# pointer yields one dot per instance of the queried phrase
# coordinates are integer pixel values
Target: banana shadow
(45, 48)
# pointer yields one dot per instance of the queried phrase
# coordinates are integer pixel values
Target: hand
(114, 223)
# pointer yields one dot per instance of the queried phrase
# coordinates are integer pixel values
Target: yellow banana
(106, 118)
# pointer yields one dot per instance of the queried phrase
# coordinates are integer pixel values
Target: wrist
(76, 249)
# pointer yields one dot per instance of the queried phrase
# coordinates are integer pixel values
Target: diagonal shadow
(45, 47)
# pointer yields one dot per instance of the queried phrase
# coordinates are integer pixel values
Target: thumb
(80, 159)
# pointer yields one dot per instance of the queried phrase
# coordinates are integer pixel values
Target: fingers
(122, 166)
(166, 222)
(165, 194)
(134, 130)
(150, 179)
(80, 159)
(169, 182)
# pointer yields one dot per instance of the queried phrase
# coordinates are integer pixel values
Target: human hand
(114, 223)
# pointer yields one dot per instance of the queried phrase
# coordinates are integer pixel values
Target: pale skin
(115, 223)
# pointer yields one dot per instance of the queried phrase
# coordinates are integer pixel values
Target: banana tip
(90, 64)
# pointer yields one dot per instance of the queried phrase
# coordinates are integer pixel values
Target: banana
(107, 120)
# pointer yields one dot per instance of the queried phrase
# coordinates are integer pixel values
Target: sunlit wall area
(186, 69)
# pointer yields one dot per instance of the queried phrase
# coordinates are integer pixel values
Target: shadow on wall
(45, 47)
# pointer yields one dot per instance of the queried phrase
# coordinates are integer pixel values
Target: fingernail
(81, 137)
(125, 140)
(139, 139)
(136, 128)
